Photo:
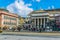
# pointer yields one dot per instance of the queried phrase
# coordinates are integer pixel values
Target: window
(7, 17)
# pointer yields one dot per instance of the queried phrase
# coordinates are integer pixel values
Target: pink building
(8, 19)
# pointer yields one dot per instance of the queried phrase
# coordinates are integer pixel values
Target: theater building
(39, 18)
(8, 19)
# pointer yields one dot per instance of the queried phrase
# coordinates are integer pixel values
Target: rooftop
(4, 10)
(44, 11)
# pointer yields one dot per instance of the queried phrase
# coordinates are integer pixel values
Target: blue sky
(24, 7)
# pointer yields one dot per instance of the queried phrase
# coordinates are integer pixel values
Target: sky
(24, 7)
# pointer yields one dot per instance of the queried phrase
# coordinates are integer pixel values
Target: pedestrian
(40, 29)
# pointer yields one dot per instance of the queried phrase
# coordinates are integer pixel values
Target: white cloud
(10, 7)
(49, 7)
(19, 7)
(52, 6)
(38, 0)
(28, 4)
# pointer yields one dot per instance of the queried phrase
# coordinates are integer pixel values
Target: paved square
(12, 37)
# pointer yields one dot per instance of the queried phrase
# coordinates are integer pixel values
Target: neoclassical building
(39, 18)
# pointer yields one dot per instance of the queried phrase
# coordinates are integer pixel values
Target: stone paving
(11, 37)
(23, 36)
(31, 33)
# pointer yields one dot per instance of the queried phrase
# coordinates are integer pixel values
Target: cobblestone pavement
(13, 37)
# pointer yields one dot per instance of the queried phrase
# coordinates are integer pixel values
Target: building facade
(8, 19)
(39, 18)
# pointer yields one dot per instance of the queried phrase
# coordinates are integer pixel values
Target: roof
(44, 11)
(4, 10)
(53, 10)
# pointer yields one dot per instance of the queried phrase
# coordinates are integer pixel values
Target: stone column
(41, 21)
(35, 22)
(44, 22)
(47, 19)
(38, 22)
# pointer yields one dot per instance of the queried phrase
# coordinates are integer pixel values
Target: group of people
(34, 29)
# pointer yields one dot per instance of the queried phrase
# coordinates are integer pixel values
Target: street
(14, 37)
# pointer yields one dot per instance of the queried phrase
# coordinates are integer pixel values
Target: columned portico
(39, 19)
(40, 22)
